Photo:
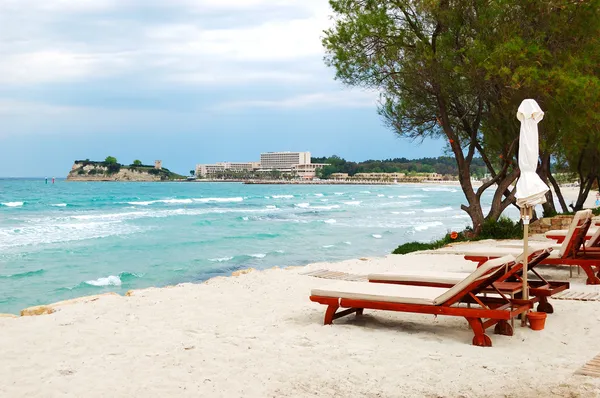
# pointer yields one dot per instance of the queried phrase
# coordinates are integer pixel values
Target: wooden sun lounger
(542, 289)
(559, 235)
(572, 251)
(480, 314)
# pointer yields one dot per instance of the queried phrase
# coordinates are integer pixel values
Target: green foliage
(81, 171)
(192, 173)
(504, 228)
(154, 171)
(137, 162)
(459, 70)
(596, 211)
(110, 160)
(444, 165)
(113, 168)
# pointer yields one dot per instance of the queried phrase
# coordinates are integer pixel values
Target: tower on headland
(158, 164)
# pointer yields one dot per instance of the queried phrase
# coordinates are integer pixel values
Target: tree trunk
(558, 193)
(584, 190)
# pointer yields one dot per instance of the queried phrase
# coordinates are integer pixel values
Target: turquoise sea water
(69, 239)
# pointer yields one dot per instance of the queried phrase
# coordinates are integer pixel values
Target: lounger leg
(504, 328)
(481, 339)
(592, 279)
(330, 313)
(545, 306)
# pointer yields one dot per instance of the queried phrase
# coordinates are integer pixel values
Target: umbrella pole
(525, 216)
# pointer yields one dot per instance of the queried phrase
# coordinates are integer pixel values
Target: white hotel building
(298, 163)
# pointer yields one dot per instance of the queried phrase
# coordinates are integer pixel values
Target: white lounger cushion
(499, 251)
(407, 294)
(564, 232)
(380, 292)
(579, 216)
(594, 240)
(448, 278)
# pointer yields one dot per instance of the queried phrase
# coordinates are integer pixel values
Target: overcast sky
(185, 81)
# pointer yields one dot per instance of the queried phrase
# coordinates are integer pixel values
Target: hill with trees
(444, 165)
(111, 170)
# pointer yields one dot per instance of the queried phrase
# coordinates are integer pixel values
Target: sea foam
(112, 280)
(13, 204)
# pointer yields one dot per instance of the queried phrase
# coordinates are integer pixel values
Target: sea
(70, 239)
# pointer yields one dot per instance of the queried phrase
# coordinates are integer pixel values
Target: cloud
(334, 99)
(196, 41)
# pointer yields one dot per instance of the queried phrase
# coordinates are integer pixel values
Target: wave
(330, 221)
(219, 200)
(353, 203)
(328, 246)
(220, 260)
(325, 207)
(13, 204)
(347, 243)
(438, 210)
(427, 225)
(59, 205)
(24, 274)
(302, 205)
(439, 190)
(187, 201)
(383, 196)
(282, 196)
(258, 255)
(377, 236)
(319, 194)
(113, 280)
(271, 207)
(339, 193)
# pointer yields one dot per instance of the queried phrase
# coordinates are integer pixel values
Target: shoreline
(227, 337)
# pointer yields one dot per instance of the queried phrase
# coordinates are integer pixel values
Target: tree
(137, 162)
(192, 173)
(458, 70)
(110, 160)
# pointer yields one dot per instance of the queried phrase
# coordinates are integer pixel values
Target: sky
(184, 81)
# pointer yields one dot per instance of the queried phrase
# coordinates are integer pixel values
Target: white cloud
(38, 48)
(342, 99)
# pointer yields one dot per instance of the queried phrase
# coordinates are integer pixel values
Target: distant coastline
(108, 170)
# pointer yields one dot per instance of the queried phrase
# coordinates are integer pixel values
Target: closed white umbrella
(531, 190)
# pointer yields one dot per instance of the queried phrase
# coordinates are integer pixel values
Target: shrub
(81, 171)
(504, 228)
(154, 172)
(596, 211)
(113, 168)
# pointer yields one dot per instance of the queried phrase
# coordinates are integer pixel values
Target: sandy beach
(258, 335)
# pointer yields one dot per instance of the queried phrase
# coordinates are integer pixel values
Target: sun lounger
(357, 296)
(571, 252)
(559, 235)
(540, 288)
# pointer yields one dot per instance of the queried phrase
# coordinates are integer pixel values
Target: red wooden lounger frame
(575, 254)
(541, 289)
(496, 311)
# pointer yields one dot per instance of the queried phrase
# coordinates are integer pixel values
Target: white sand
(258, 335)
(570, 194)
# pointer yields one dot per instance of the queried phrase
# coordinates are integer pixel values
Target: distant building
(203, 170)
(158, 164)
(307, 171)
(283, 160)
(292, 163)
(338, 176)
